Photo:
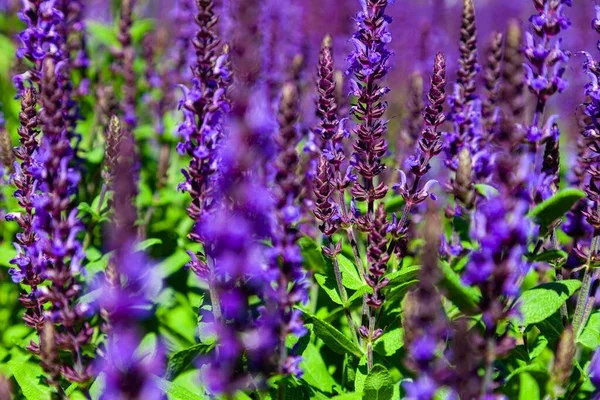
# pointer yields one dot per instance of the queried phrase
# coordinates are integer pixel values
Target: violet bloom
(369, 63)
(501, 228)
(429, 146)
(126, 56)
(203, 106)
(234, 234)
(281, 30)
(424, 321)
(545, 70)
(40, 39)
(27, 269)
(465, 104)
(130, 285)
(591, 136)
(286, 260)
(58, 251)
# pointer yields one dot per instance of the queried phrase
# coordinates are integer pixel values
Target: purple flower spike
(369, 63)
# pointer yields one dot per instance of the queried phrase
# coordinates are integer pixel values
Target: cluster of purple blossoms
(370, 64)
(42, 38)
(126, 296)
(242, 270)
(203, 105)
(545, 69)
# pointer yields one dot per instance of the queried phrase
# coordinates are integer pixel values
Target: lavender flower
(502, 230)
(545, 71)
(429, 146)
(512, 96)
(280, 28)
(424, 321)
(202, 107)
(75, 35)
(591, 136)
(242, 269)
(492, 83)
(369, 64)
(125, 304)
(375, 278)
(59, 252)
(40, 39)
(27, 270)
(464, 101)
(413, 124)
(126, 56)
(286, 260)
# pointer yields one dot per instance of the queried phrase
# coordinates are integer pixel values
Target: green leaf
(466, 298)
(542, 301)
(378, 385)
(551, 327)
(173, 263)
(175, 391)
(551, 255)
(359, 294)
(333, 338)
(329, 285)
(361, 374)
(350, 277)
(590, 336)
(555, 207)
(349, 396)
(528, 388)
(315, 370)
(29, 376)
(399, 291)
(390, 342)
(98, 386)
(486, 191)
(404, 275)
(538, 346)
(181, 359)
(312, 255)
(140, 27)
(527, 368)
(102, 33)
(147, 243)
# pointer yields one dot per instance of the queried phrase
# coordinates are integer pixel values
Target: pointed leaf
(181, 359)
(329, 285)
(333, 338)
(464, 297)
(29, 376)
(378, 385)
(542, 301)
(555, 207)
(312, 255)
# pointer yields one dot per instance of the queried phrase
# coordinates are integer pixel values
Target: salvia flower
(59, 252)
(202, 106)
(500, 227)
(234, 234)
(429, 146)
(369, 62)
(464, 101)
(492, 83)
(286, 262)
(424, 321)
(127, 293)
(27, 268)
(545, 70)
(126, 56)
(40, 39)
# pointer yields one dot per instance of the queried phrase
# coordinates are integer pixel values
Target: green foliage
(555, 207)
(541, 302)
